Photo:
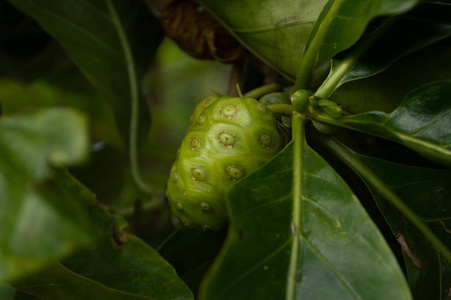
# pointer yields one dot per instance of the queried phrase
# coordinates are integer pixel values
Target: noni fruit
(230, 138)
(199, 107)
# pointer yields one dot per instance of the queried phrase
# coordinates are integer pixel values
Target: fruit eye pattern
(228, 139)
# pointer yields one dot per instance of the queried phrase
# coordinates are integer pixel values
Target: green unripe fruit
(231, 138)
(200, 106)
(300, 101)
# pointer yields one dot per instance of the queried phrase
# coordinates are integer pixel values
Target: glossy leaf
(96, 38)
(427, 192)
(58, 282)
(32, 197)
(278, 248)
(340, 25)
(428, 23)
(421, 122)
(275, 31)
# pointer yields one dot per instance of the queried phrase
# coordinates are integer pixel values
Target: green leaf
(58, 282)
(33, 198)
(416, 203)
(117, 263)
(7, 292)
(340, 25)
(274, 31)
(421, 122)
(386, 90)
(123, 262)
(427, 192)
(428, 23)
(131, 267)
(112, 50)
(297, 232)
(28, 52)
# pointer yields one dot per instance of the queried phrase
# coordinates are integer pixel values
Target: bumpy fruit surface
(199, 107)
(231, 138)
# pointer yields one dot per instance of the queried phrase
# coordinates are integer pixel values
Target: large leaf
(416, 203)
(131, 271)
(132, 267)
(57, 282)
(427, 192)
(27, 52)
(340, 25)
(275, 31)
(32, 197)
(297, 232)
(111, 42)
(117, 264)
(421, 122)
(123, 262)
(395, 38)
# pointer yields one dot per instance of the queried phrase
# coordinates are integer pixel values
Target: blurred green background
(36, 73)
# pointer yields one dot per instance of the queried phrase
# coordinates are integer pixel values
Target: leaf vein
(252, 269)
(266, 204)
(331, 267)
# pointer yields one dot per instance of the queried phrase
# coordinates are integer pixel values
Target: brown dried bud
(198, 33)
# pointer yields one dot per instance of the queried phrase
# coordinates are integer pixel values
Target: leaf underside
(278, 32)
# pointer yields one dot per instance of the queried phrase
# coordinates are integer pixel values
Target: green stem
(263, 90)
(336, 74)
(330, 84)
(365, 172)
(296, 225)
(285, 109)
(134, 98)
(310, 57)
(328, 120)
